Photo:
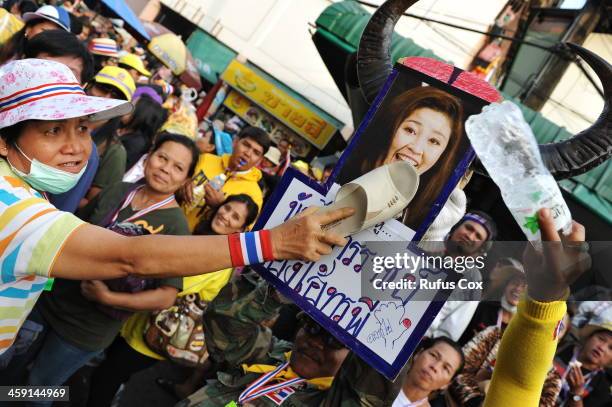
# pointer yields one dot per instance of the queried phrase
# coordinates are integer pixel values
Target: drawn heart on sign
(302, 196)
(407, 323)
(367, 301)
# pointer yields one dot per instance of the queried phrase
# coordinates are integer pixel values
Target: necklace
(141, 201)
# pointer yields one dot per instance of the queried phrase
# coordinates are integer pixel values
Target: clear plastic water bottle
(509, 151)
(218, 182)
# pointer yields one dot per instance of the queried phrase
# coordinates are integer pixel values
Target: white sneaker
(376, 196)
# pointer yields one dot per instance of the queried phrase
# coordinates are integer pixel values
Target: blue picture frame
(390, 370)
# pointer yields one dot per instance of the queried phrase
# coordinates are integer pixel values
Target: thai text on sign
(281, 105)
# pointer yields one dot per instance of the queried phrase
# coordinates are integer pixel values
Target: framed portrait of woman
(420, 119)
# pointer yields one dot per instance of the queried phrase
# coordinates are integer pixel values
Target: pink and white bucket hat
(38, 89)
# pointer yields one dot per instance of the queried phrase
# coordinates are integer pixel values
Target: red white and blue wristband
(250, 248)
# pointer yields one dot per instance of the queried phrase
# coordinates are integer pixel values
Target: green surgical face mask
(46, 178)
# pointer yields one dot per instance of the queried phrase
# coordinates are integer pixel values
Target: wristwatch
(576, 397)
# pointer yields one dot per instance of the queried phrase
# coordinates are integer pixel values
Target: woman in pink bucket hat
(44, 145)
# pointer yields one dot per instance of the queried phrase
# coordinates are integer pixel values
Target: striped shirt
(32, 232)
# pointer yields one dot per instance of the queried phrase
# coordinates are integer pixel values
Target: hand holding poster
(417, 118)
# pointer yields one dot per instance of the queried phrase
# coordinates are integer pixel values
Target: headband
(480, 220)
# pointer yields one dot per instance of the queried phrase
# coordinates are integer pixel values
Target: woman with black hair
(432, 368)
(43, 19)
(64, 47)
(130, 353)
(140, 128)
(422, 126)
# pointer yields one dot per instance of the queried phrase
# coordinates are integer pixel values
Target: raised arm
(91, 252)
(528, 346)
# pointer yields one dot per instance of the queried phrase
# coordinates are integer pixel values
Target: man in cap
(470, 238)
(584, 366)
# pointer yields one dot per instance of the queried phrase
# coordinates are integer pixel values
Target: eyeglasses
(314, 329)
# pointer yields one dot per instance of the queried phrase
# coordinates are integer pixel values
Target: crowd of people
(102, 159)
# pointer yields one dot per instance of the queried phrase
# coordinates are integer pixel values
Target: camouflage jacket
(356, 384)
(234, 321)
(234, 335)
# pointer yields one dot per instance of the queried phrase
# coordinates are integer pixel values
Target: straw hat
(103, 46)
(38, 89)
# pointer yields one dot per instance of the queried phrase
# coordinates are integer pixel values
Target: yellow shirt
(9, 25)
(182, 121)
(243, 182)
(207, 285)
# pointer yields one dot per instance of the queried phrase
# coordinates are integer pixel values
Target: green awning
(346, 20)
(339, 29)
(210, 55)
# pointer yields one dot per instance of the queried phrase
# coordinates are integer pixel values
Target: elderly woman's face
(420, 139)
(62, 144)
(167, 168)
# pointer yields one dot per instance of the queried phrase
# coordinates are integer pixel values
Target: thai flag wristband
(250, 248)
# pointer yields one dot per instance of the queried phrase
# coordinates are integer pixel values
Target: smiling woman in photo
(425, 128)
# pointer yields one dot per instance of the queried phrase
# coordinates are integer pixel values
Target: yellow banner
(240, 105)
(278, 103)
(257, 116)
